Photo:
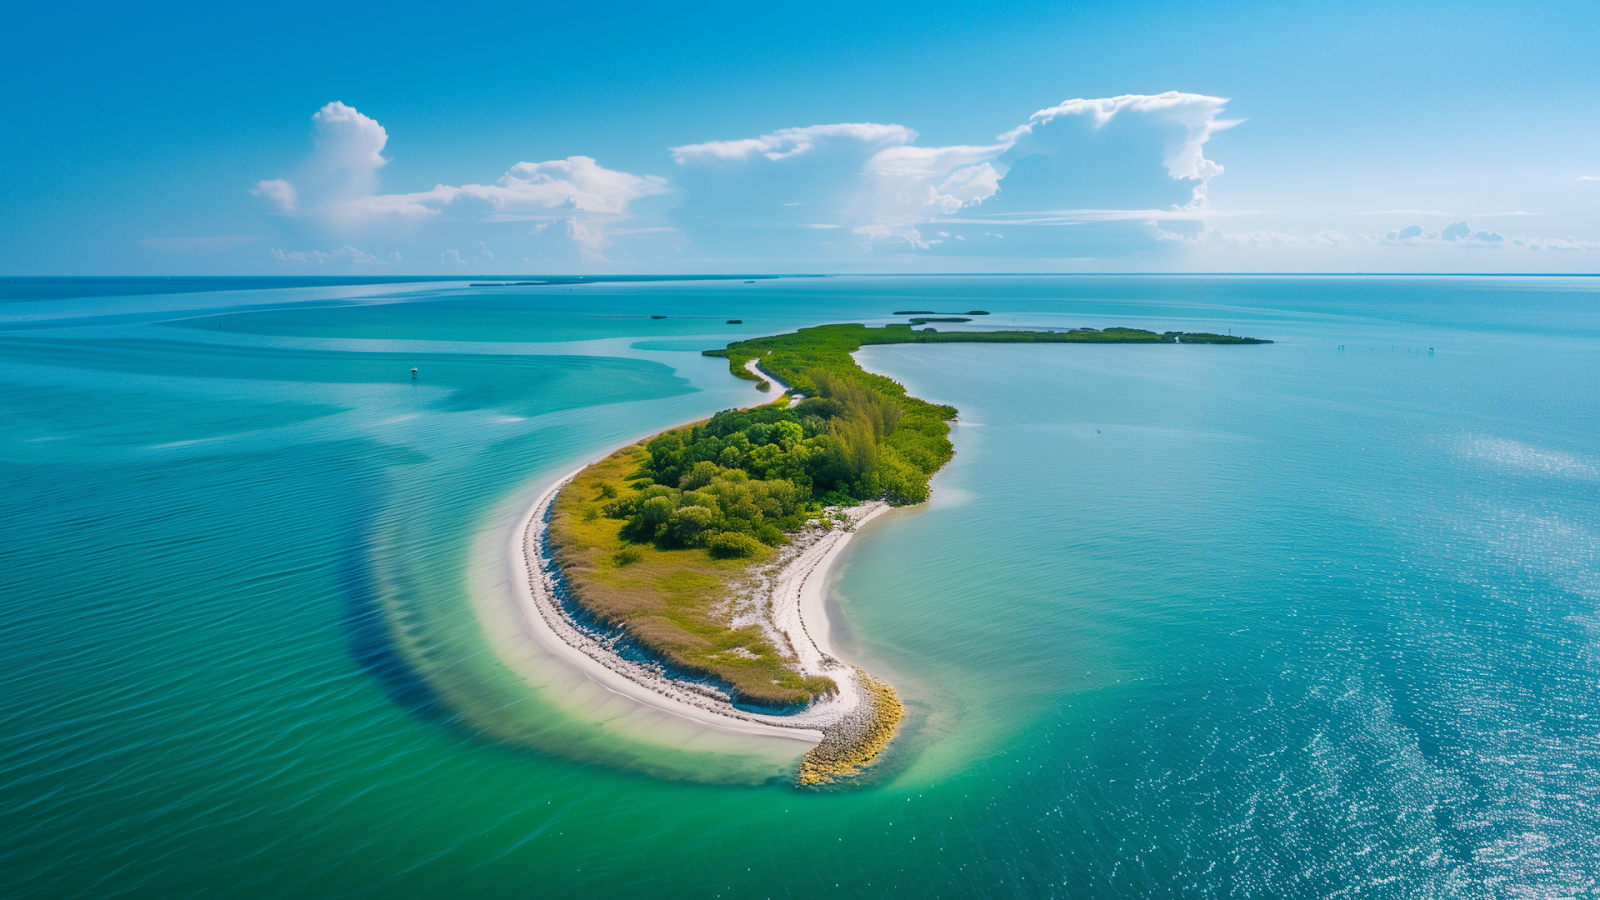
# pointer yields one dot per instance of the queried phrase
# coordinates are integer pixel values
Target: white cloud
(592, 244)
(345, 254)
(1456, 235)
(347, 152)
(863, 183)
(966, 186)
(1457, 232)
(576, 183)
(349, 145)
(895, 234)
(279, 194)
(1195, 116)
(1589, 177)
(1260, 239)
(929, 162)
(883, 185)
(790, 142)
(337, 185)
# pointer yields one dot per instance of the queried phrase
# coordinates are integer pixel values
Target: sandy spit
(793, 605)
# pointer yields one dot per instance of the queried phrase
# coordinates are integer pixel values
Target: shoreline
(795, 607)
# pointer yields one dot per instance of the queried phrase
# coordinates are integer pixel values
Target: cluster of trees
(739, 481)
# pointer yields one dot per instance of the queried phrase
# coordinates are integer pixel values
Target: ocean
(1310, 619)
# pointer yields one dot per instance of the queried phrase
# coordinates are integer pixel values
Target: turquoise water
(1266, 621)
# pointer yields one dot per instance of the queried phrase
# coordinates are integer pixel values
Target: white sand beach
(789, 604)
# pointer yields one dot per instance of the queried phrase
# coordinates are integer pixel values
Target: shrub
(656, 510)
(685, 525)
(732, 545)
(627, 556)
(701, 475)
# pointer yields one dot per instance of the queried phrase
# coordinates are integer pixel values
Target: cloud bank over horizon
(1108, 178)
(911, 138)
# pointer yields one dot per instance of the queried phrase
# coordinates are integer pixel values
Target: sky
(393, 139)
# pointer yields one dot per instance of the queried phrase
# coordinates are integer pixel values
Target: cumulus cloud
(591, 243)
(1457, 232)
(347, 152)
(1190, 120)
(966, 186)
(349, 146)
(878, 181)
(338, 186)
(1108, 171)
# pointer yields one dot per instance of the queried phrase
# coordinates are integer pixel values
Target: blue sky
(527, 138)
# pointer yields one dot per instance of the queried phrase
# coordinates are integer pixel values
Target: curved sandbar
(687, 631)
(850, 723)
(797, 609)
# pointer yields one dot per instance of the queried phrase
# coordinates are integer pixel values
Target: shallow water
(1266, 621)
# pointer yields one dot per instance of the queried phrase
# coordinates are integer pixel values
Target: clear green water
(1207, 621)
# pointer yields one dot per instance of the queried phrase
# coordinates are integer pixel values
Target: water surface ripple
(1281, 621)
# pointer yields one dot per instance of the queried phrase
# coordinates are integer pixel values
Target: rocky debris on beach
(855, 740)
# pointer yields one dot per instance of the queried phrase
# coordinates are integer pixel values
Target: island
(694, 563)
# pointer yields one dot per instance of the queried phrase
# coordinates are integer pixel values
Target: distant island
(695, 562)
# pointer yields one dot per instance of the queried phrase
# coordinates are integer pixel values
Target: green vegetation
(925, 320)
(887, 444)
(664, 539)
(674, 593)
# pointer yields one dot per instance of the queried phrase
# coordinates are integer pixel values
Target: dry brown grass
(673, 602)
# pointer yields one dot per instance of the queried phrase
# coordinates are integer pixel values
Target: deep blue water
(1277, 621)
